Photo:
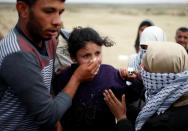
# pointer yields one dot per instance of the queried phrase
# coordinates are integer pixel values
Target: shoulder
(20, 57)
(19, 61)
(108, 67)
(110, 72)
(9, 44)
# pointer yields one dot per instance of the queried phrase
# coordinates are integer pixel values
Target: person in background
(89, 111)
(26, 69)
(181, 37)
(62, 60)
(142, 26)
(164, 74)
(152, 33)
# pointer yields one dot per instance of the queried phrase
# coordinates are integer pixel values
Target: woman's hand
(118, 108)
(124, 74)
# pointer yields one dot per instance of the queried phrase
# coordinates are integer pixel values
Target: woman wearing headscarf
(145, 23)
(152, 33)
(165, 77)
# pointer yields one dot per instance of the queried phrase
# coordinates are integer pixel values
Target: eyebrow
(52, 8)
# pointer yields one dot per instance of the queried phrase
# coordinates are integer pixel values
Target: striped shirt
(26, 73)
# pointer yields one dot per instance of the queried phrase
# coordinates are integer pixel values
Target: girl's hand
(118, 108)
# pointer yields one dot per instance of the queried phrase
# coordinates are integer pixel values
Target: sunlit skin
(182, 38)
(89, 53)
(42, 21)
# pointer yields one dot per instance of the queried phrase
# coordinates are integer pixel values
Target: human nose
(57, 20)
(93, 57)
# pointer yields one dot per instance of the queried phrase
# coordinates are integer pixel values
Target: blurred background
(117, 19)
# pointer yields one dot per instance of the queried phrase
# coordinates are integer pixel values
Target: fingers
(114, 99)
(107, 97)
(116, 107)
(123, 101)
(110, 98)
(123, 73)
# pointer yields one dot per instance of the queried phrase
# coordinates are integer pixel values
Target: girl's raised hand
(118, 108)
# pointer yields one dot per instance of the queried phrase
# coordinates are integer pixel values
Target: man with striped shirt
(26, 69)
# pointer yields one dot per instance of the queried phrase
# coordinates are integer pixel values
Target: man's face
(44, 19)
(182, 38)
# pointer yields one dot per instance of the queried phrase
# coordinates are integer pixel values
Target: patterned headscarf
(165, 77)
(152, 33)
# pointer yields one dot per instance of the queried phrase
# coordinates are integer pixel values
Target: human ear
(23, 9)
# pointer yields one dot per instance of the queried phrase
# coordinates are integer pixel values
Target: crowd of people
(53, 79)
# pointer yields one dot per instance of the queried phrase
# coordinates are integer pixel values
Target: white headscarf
(164, 76)
(151, 33)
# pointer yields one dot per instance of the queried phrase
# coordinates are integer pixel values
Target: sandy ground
(120, 25)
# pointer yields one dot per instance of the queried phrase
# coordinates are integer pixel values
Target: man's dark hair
(29, 2)
(32, 2)
(182, 29)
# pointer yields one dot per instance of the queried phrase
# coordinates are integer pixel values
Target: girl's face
(90, 52)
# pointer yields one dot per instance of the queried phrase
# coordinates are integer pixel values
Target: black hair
(29, 2)
(143, 23)
(32, 2)
(182, 29)
(80, 36)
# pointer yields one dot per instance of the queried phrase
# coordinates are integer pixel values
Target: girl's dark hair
(32, 2)
(143, 23)
(81, 36)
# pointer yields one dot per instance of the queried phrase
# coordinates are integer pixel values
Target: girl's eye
(86, 56)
